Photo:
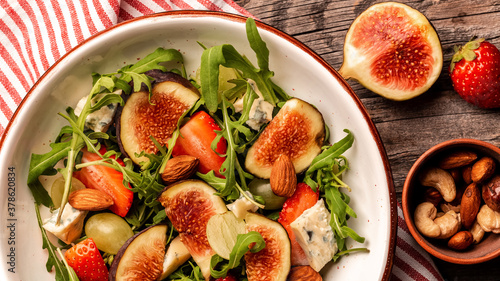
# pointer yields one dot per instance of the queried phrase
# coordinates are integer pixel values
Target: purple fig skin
(118, 258)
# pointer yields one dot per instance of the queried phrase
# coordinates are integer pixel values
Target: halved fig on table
(189, 205)
(273, 262)
(298, 131)
(157, 116)
(393, 50)
(141, 257)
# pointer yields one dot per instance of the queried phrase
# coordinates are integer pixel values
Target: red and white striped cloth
(35, 33)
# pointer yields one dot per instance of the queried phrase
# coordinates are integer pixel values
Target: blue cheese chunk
(100, 120)
(314, 234)
(70, 224)
(261, 111)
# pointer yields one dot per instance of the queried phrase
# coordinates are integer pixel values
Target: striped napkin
(34, 34)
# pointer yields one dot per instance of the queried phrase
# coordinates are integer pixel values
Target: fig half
(189, 205)
(298, 131)
(273, 262)
(157, 116)
(141, 257)
(393, 50)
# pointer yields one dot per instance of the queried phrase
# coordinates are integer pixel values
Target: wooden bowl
(413, 191)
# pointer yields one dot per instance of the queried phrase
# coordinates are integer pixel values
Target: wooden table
(410, 127)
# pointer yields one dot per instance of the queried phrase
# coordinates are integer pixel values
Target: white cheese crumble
(100, 120)
(71, 224)
(242, 205)
(314, 234)
(261, 111)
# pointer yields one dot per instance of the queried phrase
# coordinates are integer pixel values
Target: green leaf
(139, 79)
(209, 76)
(40, 195)
(153, 60)
(327, 157)
(106, 100)
(257, 44)
(242, 246)
(42, 163)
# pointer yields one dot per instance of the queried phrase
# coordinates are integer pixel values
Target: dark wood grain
(411, 127)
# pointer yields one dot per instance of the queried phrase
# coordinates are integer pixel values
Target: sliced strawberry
(302, 199)
(196, 140)
(107, 180)
(86, 261)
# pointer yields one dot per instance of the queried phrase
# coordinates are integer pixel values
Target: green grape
(262, 188)
(57, 189)
(109, 231)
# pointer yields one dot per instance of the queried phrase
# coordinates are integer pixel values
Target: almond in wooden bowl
(437, 219)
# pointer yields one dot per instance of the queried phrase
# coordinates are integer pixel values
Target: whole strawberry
(475, 73)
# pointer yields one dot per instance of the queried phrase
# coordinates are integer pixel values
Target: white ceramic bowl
(298, 70)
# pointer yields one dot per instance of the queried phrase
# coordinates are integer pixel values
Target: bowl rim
(391, 247)
(421, 240)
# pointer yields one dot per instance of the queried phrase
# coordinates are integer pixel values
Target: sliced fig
(273, 262)
(393, 50)
(189, 205)
(141, 257)
(298, 131)
(141, 117)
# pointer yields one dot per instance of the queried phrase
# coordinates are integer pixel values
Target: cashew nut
(488, 219)
(442, 227)
(440, 180)
(448, 207)
(477, 232)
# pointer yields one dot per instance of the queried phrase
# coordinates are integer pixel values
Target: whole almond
(483, 169)
(469, 206)
(179, 168)
(466, 174)
(89, 199)
(303, 273)
(283, 178)
(461, 240)
(457, 159)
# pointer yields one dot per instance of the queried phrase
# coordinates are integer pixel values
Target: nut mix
(461, 199)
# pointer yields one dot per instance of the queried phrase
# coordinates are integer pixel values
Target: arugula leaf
(40, 195)
(226, 55)
(327, 158)
(42, 164)
(257, 44)
(154, 60)
(324, 173)
(181, 275)
(243, 241)
(209, 76)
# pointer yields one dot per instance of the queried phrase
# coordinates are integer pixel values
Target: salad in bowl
(161, 175)
(194, 160)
